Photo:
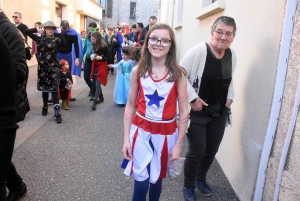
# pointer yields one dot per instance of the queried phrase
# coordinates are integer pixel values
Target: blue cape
(119, 49)
(72, 32)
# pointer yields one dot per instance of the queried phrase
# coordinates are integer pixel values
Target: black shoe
(18, 192)
(121, 105)
(101, 99)
(45, 111)
(204, 187)
(90, 93)
(50, 101)
(92, 98)
(58, 118)
(72, 99)
(189, 194)
(94, 105)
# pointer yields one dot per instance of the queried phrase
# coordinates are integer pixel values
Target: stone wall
(121, 12)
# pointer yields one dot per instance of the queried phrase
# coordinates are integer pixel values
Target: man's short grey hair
(19, 14)
(226, 20)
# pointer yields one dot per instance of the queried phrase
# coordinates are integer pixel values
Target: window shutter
(109, 8)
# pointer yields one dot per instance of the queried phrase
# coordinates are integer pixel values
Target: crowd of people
(150, 83)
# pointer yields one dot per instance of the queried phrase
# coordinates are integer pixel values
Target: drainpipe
(287, 142)
(277, 98)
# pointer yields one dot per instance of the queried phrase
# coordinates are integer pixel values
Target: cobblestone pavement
(80, 158)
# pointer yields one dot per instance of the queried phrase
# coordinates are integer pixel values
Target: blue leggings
(141, 189)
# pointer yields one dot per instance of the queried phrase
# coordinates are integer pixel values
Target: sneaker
(58, 118)
(189, 194)
(72, 99)
(50, 101)
(92, 98)
(45, 111)
(16, 193)
(204, 187)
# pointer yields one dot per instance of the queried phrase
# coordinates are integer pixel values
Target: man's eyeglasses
(15, 16)
(163, 42)
(227, 34)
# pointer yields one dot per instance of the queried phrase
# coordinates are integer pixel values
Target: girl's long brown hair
(171, 63)
(99, 43)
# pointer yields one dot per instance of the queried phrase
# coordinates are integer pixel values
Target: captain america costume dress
(154, 131)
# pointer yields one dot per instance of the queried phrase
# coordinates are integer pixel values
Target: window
(58, 14)
(210, 7)
(179, 11)
(102, 3)
(132, 10)
(109, 8)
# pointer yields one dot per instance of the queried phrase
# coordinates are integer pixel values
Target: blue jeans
(141, 189)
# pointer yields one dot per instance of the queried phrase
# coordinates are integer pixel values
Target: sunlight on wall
(45, 15)
(45, 2)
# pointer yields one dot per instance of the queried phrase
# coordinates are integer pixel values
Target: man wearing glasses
(17, 16)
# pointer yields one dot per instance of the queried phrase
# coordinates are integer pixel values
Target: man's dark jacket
(11, 35)
(144, 33)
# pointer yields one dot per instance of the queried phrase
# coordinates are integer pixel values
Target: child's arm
(70, 77)
(129, 113)
(183, 117)
(118, 65)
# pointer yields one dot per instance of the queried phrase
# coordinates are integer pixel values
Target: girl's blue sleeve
(118, 65)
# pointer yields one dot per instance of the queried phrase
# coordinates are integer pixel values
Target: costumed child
(122, 84)
(99, 72)
(65, 84)
(152, 137)
(48, 65)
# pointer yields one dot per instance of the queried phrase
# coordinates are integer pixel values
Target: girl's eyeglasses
(163, 42)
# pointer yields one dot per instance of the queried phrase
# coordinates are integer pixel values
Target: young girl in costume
(151, 136)
(122, 83)
(48, 65)
(99, 57)
(65, 78)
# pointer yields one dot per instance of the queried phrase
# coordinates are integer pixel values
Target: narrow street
(80, 159)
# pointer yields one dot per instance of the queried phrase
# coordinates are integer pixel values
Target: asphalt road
(80, 159)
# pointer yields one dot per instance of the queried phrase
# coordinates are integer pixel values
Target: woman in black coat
(112, 43)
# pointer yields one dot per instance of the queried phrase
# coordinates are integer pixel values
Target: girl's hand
(92, 57)
(175, 152)
(127, 150)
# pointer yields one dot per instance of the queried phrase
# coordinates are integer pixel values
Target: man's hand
(228, 103)
(76, 62)
(58, 29)
(198, 104)
(115, 40)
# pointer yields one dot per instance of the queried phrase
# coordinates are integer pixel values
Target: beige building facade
(78, 12)
(263, 105)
